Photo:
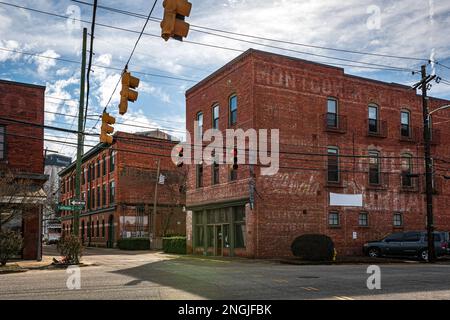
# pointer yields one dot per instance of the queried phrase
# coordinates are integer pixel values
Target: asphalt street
(143, 275)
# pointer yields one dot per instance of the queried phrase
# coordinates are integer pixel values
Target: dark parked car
(410, 244)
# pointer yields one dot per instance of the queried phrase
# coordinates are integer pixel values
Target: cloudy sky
(406, 28)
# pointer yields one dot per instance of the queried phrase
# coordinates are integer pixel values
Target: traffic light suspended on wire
(173, 24)
(107, 128)
(127, 94)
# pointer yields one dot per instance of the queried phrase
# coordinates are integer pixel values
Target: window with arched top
(215, 116)
(405, 123)
(233, 107)
(199, 119)
(374, 118)
(332, 113)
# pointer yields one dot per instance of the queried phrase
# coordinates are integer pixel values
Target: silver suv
(410, 244)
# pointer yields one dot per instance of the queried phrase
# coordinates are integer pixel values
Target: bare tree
(176, 193)
(17, 195)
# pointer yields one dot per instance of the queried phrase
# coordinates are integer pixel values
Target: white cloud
(6, 55)
(45, 61)
(154, 91)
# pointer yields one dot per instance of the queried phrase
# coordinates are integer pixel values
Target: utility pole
(155, 200)
(80, 148)
(428, 164)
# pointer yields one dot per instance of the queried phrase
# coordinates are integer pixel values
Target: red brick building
(338, 134)
(118, 184)
(22, 159)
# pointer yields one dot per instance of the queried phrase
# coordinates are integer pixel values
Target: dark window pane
(226, 235)
(373, 125)
(200, 236)
(239, 235)
(233, 175)
(374, 167)
(210, 236)
(333, 165)
(398, 220)
(199, 176)
(239, 214)
(395, 237)
(332, 120)
(333, 219)
(215, 173)
(411, 237)
(405, 130)
(406, 171)
(363, 219)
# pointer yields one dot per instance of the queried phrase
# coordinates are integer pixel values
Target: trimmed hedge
(313, 247)
(134, 244)
(174, 245)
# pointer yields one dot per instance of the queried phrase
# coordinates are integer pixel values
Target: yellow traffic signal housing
(107, 128)
(173, 24)
(127, 94)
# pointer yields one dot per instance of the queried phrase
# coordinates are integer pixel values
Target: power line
(96, 66)
(138, 15)
(442, 65)
(131, 55)
(382, 67)
(137, 138)
(114, 148)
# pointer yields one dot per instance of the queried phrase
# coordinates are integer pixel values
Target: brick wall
(24, 152)
(288, 94)
(134, 176)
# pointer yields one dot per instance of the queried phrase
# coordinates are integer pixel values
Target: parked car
(410, 244)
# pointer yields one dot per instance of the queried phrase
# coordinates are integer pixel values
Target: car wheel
(374, 252)
(423, 255)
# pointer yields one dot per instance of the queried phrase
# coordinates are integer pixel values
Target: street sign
(78, 203)
(70, 208)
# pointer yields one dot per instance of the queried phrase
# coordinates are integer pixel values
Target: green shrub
(174, 245)
(10, 245)
(71, 248)
(134, 244)
(313, 247)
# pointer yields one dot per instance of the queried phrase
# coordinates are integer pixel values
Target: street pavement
(114, 274)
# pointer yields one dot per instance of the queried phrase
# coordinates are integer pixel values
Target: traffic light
(173, 24)
(128, 94)
(180, 162)
(107, 128)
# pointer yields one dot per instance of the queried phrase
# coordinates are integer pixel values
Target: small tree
(10, 245)
(71, 248)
